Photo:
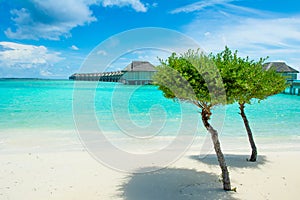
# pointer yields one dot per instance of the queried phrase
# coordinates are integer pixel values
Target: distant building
(281, 67)
(136, 73)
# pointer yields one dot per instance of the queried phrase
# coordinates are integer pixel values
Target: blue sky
(52, 38)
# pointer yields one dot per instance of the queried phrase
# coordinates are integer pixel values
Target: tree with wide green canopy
(192, 77)
(246, 80)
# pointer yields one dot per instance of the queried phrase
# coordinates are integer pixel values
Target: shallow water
(48, 104)
(46, 109)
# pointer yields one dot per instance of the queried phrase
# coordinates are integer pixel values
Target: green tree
(193, 78)
(245, 80)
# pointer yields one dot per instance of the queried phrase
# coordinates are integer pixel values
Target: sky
(54, 38)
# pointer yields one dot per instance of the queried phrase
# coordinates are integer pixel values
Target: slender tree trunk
(217, 147)
(249, 132)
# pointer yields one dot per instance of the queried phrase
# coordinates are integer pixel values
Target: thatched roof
(140, 66)
(280, 67)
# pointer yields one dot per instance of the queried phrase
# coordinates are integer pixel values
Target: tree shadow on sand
(232, 160)
(174, 184)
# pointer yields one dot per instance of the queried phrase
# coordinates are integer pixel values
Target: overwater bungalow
(290, 74)
(136, 73)
(281, 67)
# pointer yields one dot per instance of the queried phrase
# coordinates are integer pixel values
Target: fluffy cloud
(49, 19)
(15, 56)
(52, 19)
(135, 4)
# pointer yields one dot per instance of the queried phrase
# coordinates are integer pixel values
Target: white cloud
(49, 19)
(200, 5)
(154, 5)
(217, 7)
(52, 19)
(20, 56)
(135, 4)
(207, 34)
(256, 36)
(277, 32)
(102, 52)
(75, 48)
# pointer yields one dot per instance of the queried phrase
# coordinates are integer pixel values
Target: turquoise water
(47, 105)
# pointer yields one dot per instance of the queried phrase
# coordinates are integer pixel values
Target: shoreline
(37, 140)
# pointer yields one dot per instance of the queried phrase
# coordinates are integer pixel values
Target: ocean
(37, 113)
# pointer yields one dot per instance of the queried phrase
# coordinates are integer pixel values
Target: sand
(75, 175)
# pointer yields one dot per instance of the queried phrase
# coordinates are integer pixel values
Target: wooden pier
(136, 73)
(105, 76)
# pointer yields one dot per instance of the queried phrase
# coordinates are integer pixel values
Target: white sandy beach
(70, 175)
